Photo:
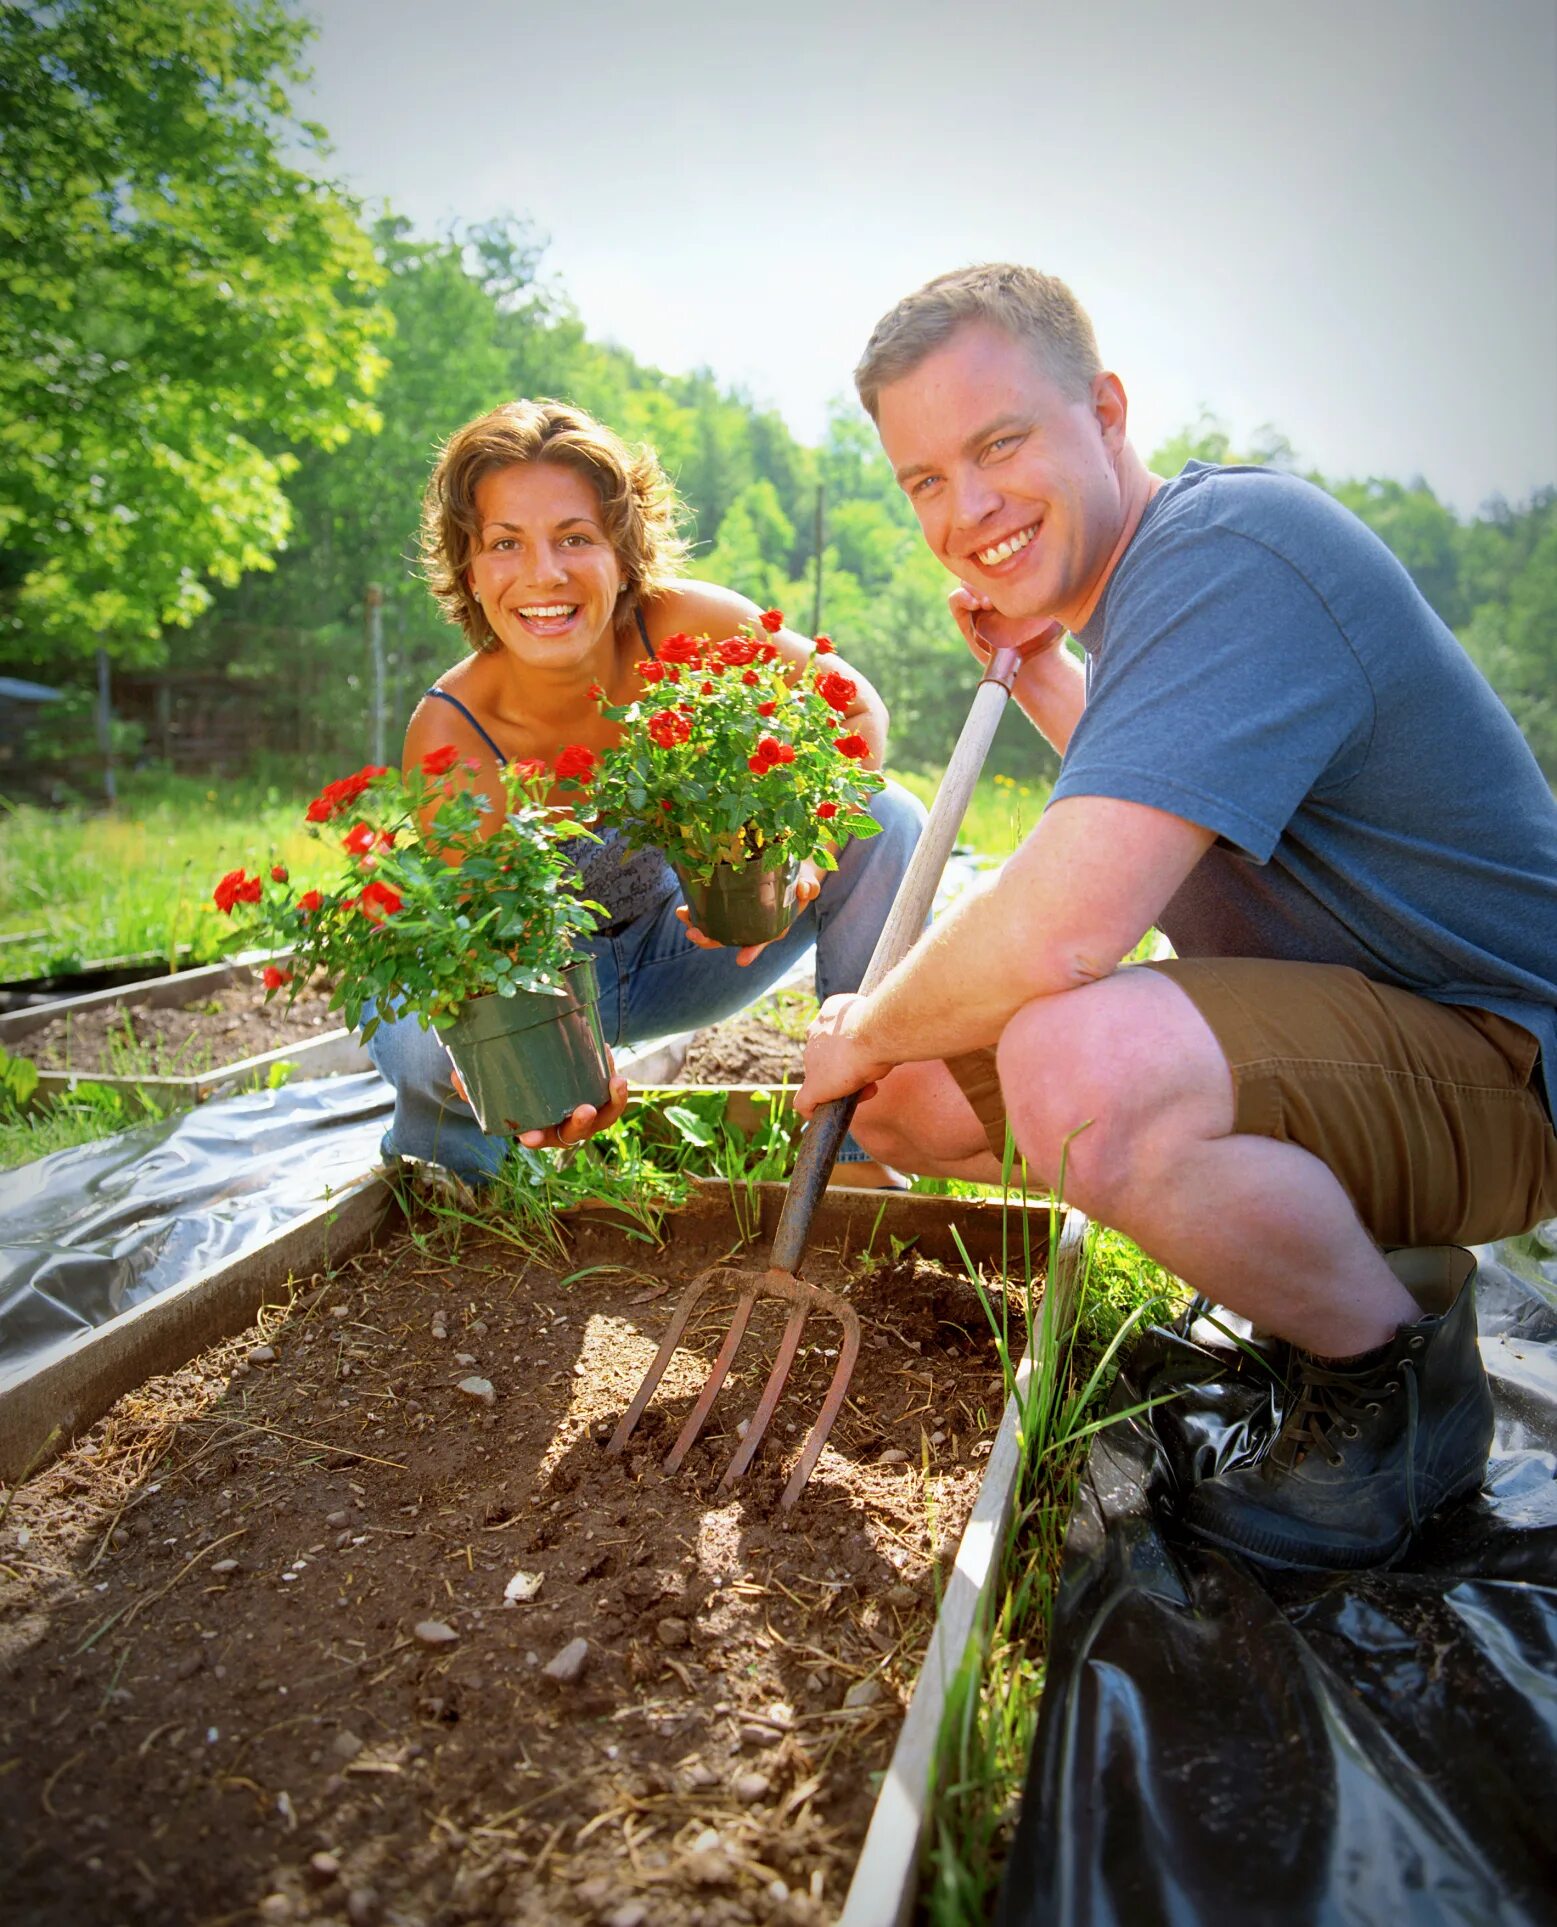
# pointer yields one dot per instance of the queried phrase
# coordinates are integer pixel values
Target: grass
(992, 1707)
(138, 879)
(1000, 812)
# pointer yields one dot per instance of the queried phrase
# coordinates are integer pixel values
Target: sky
(1337, 217)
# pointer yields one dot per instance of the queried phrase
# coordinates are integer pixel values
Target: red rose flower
(826, 810)
(854, 745)
(438, 762)
(594, 692)
(751, 679)
(837, 691)
(379, 901)
(309, 901)
(824, 646)
(273, 978)
(766, 709)
(576, 763)
(758, 765)
(651, 671)
(736, 653)
(666, 804)
(772, 621)
(680, 648)
(235, 888)
(707, 689)
(278, 873)
(766, 652)
(668, 728)
(531, 769)
(359, 839)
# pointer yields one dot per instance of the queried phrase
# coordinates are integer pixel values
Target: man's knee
(1104, 1083)
(918, 1120)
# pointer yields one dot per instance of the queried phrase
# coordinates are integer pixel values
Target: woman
(554, 547)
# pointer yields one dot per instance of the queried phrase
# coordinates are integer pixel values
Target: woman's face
(543, 567)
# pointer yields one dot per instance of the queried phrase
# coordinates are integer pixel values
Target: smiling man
(1276, 753)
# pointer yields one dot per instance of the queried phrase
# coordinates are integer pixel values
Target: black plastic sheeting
(89, 1232)
(1219, 1743)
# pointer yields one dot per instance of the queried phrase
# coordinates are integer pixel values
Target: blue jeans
(653, 981)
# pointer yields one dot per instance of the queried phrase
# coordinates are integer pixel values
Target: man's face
(1014, 482)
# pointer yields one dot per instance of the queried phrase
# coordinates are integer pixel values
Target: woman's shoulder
(695, 608)
(456, 708)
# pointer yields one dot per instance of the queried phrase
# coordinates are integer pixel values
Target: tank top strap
(643, 630)
(444, 696)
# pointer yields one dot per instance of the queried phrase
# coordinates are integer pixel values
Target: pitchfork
(819, 1147)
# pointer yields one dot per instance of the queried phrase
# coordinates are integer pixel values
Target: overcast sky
(1335, 216)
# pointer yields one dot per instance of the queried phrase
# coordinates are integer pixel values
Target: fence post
(375, 614)
(105, 719)
(816, 606)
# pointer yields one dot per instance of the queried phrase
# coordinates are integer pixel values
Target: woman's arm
(703, 608)
(435, 723)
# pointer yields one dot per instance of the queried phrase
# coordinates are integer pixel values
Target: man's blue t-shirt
(1261, 665)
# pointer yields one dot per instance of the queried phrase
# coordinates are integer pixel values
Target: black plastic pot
(742, 904)
(528, 1061)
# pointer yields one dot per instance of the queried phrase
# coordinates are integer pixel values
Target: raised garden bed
(180, 1038)
(106, 973)
(202, 1739)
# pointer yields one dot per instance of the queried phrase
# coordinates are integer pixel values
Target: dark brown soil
(220, 1027)
(221, 1697)
(743, 1050)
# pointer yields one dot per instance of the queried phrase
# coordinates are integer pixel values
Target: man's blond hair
(1030, 307)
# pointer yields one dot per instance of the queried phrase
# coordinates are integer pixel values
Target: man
(1278, 755)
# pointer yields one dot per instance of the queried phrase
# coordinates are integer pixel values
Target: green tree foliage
(179, 308)
(1512, 636)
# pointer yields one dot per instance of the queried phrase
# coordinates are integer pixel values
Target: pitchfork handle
(819, 1147)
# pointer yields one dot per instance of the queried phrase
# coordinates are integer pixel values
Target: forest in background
(221, 390)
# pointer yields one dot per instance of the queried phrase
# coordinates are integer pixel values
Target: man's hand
(584, 1122)
(985, 630)
(835, 1064)
(808, 886)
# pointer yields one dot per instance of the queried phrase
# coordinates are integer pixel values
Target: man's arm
(1077, 897)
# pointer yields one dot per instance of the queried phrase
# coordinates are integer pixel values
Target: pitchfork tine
(768, 1403)
(716, 1377)
(848, 1351)
(662, 1358)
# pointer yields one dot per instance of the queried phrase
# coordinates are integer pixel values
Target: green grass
(992, 1706)
(138, 879)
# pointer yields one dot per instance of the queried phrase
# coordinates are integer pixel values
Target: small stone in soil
(337, 1518)
(631, 1913)
(759, 1736)
(752, 1787)
(894, 1455)
(672, 1632)
(464, 1358)
(362, 1907)
(479, 1388)
(224, 1566)
(261, 1355)
(568, 1666)
(863, 1693)
(324, 1867)
(346, 1745)
(435, 1632)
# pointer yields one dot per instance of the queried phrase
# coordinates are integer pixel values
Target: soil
(743, 1050)
(257, 1657)
(218, 1027)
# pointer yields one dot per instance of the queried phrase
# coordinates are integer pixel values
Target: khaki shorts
(1430, 1115)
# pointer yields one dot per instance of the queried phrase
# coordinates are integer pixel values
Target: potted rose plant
(738, 765)
(477, 936)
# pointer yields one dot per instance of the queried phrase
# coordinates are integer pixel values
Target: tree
(179, 306)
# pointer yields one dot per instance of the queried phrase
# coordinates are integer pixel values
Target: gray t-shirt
(1261, 665)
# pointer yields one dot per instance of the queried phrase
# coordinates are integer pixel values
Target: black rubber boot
(1365, 1455)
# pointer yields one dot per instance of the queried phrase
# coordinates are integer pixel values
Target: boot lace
(1330, 1405)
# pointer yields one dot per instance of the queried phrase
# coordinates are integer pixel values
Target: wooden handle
(827, 1129)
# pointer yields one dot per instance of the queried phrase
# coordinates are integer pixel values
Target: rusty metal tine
(848, 1352)
(716, 1377)
(668, 1344)
(771, 1393)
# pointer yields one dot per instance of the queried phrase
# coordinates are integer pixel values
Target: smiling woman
(554, 547)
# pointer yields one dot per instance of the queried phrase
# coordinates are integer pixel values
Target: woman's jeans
(654, 981)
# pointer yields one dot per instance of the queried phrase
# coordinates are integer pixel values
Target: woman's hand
(584, 1122)
(808, 887)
